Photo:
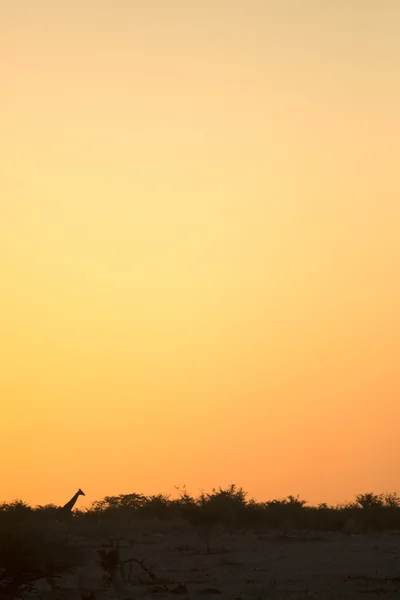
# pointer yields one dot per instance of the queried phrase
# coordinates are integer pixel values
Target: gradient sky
(199, 247)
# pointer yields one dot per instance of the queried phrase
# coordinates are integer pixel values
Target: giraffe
(70, 505)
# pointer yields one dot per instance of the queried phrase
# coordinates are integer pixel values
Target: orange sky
(199, 247)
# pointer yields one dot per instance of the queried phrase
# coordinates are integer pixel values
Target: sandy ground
(244, 565)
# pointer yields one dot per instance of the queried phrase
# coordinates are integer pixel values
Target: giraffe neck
(70, 505)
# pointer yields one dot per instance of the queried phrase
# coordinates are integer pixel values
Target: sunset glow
(200, 247)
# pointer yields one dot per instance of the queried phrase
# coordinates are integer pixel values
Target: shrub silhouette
(128, 502)
(158, 506)
(230, 507)
(227, 506)
(370, 501)
(29, 553)
(14, 511)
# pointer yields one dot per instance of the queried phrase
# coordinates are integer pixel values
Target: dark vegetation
(369, 512)
(36, 542)
(30, 550)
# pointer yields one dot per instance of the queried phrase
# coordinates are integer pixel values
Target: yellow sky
(199, 247)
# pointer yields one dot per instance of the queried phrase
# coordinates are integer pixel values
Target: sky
(199, 247)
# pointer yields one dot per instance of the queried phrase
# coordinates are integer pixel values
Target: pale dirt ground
(245, 565)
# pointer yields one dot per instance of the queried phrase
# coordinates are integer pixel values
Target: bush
(28, 553)
(229, 506)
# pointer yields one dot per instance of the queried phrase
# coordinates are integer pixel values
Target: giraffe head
(80, 493)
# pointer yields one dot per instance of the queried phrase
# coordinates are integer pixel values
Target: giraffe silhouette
(67, 508)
